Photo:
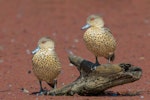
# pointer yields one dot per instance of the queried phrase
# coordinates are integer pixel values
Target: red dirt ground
(23, 22)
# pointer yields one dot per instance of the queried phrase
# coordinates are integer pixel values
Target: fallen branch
(95, 82)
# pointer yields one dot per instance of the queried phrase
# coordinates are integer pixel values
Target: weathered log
(95, 82)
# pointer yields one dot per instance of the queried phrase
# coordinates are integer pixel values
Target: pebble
(146, 21)
(54, 34)
(142, 97)
(141, 58)
(73, 46)
(63, 84)
(12, 40)
(24, 90)
(76, 40)
(70, 64)
(9, 93)
(10, 85)
(28, 51)
(29, 72)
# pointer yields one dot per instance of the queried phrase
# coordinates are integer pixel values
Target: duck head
(44, 43)
(94, 21)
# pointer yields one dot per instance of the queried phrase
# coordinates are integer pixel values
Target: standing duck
(99, 39)
(46, 64)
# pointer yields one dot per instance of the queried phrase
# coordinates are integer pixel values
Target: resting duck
(99, 39)
(46, 64)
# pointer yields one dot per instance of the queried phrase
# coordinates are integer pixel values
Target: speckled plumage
(98, 39)
(46, 64)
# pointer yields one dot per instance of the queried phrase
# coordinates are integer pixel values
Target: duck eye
(43, 42)
(92, 19)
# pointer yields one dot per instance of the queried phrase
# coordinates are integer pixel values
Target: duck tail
(111, 57)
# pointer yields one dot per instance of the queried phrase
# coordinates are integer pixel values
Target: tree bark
(96, 81)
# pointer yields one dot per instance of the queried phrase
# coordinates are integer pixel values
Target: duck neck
(100, 28)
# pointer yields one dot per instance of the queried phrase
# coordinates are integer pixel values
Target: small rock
(141, 58)
(24, 90)
(54, 34)
(70, 64)
(9, 93)
(10, 85)
(69, 52)
(146, 21)
(72, 75)
(29, 72)
(63, 84)
(12, 40)
(142, 97)
(73, 46)
(76, 40)
(28, 51)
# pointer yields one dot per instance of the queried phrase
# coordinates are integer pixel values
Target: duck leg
(53, 85)
(96, 63)
(42, 91)
(93, 67)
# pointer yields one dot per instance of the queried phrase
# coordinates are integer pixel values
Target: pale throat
(100, 29)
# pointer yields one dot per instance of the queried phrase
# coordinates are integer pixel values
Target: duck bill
(36, 50)
(86, 26)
